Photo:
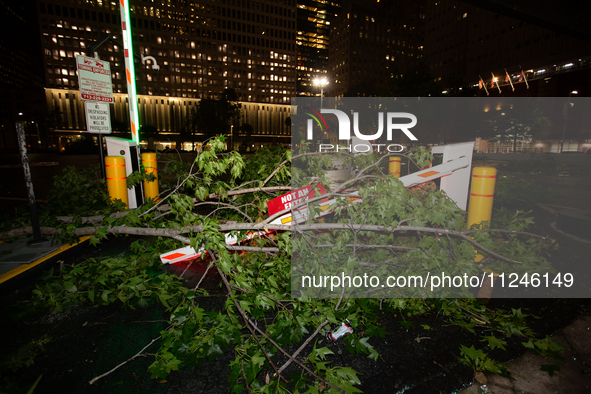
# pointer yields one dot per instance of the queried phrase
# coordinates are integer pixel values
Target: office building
(201, 48)
(372, 46)
(21, 81)
(464, 42)
(314, 18)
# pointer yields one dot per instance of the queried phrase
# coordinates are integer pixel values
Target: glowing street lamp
(322, 82)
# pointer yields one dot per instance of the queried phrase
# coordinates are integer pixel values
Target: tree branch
(249, 323)
(460, 234)
(295, 354)
(124, 362)
(243, 314)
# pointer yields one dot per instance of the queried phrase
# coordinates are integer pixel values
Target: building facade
(199, 50)
(314, 18)
(372, 46)
(21, 72)
(167, 117)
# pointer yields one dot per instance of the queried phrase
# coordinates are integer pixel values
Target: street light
(322, 82)
(565, 113)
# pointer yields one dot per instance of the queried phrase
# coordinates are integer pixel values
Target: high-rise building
(314, 18)
(370, 46)
(21, 81)
(201, 49)
(464, 42)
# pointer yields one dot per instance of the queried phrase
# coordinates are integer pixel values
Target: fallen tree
(265, 314)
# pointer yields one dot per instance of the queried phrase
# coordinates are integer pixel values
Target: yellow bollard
(479, 210)
(151, 167)
(394, 166)
(481, 198)
(481, 195)
(116, 178)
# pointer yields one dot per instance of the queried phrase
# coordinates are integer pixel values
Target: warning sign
(98, 118)
(94, 79)
(288, 200)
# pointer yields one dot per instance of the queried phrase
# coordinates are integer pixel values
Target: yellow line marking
(24, 267)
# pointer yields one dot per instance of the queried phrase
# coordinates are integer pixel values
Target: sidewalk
(574, 375)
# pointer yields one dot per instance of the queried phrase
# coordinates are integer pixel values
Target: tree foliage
(213, 117)
(521, 122)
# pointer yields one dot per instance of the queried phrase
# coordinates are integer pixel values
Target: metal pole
(102, 155)
(22, 144)
(567, 107)
(100, 143)
(231, 137)
(563, 132)
(321, 95)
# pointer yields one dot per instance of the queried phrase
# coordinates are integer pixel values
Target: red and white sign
(94, 79)
(290, 199)
(178, 255)
(188, 252)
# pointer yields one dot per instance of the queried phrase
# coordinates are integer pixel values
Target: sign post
(98, 121)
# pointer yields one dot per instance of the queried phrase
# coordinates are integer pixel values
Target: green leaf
(550, 368)
(494, 342)
(214, 349)
(322, 352)
(529, 344)
(105, 295)
(245, 305)
(258, 360)
(70, 287)
(406, 324)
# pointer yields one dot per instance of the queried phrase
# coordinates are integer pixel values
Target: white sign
(98, 118)
(94, 79)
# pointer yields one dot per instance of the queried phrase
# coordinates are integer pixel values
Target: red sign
(94, 79)
(292, 198)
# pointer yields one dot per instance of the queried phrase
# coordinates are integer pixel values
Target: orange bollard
(116, 178)
(151, 167)
(394, 166)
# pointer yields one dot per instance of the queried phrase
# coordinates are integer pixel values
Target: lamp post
(322, 82)
(565, 113)
(231, 137)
